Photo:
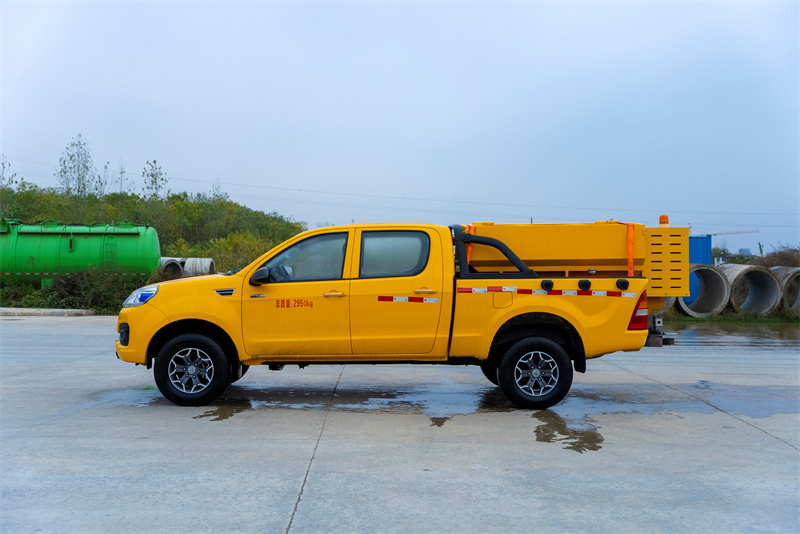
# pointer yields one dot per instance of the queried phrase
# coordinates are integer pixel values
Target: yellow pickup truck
(526, 303)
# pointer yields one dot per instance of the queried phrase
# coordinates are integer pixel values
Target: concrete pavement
(704, 436)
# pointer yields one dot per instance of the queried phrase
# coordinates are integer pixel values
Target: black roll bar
(462, 239)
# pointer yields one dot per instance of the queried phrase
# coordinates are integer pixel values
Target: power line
(23, 173)
(471, 213)
(33, 162)
(481, 203)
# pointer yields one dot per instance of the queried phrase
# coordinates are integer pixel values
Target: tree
(121, 182)
(216, 212)
(121, 179)
(155, 193)
(78, 178)
(101, 184)
(75, 172)
(719, 252)
(155, 181)
(8, 180)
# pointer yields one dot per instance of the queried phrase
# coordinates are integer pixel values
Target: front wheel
(191, 370)
(535, 373)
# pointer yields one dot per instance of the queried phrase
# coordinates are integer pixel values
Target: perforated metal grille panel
(667, 262)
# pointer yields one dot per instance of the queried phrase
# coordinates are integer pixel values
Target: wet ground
(704, 435)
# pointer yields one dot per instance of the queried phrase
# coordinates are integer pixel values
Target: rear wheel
(535, 373)
(191, 370)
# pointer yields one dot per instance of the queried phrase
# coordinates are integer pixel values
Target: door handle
(335, 294)
(425, 291)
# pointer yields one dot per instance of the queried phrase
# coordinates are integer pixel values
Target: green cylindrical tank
(34, 251)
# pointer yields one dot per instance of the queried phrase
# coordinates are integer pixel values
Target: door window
(393, 253)
(316, 258)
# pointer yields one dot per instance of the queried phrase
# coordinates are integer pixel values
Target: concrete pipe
(713, 293)
(789, 277)
(666, 304)
(199, 267)
(754, 289)
(172, 267)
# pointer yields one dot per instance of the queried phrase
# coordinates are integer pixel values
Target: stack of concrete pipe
(172, 267)
(789, 278)
(765, 290)
(199, 267)
(713, 295)
(185, 267)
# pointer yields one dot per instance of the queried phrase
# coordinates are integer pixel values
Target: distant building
(744, 252)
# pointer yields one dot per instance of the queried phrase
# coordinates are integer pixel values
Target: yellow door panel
(304, 308)
(396, 292)
(297, 318)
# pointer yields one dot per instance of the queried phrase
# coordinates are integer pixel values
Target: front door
(304, 308)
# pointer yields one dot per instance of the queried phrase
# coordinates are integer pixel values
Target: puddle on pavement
(570, 423)
(779, 336)
(556, 429)
(115, 399)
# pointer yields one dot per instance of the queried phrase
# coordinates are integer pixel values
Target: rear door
(396, 291)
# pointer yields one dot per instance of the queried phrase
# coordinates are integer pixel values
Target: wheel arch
(192, 326)
(539, 324)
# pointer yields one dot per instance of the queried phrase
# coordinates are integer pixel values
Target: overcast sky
(444, 112)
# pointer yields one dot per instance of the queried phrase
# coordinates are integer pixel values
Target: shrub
(101, 291)
(783, 256)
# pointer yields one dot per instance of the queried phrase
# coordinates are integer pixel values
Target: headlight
(140, 296)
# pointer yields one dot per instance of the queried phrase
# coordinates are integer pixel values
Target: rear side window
(393, 253)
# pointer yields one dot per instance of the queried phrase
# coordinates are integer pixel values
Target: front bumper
(143, 322)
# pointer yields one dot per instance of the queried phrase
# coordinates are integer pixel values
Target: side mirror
(261, 276)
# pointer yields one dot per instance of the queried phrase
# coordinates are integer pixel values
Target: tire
(191, 370)
(489, 370)
(535, 373)
(234, 372)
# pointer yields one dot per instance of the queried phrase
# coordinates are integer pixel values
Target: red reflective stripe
(552, 292)
(384, 298)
